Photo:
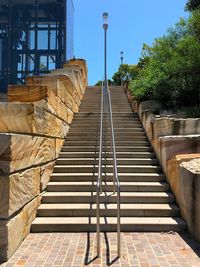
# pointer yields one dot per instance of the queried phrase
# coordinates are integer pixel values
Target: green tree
(110, 83)
(192, 5)
(171, 73)
(125, 73)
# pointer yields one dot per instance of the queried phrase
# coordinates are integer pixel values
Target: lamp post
(105, 26)
(122, 61)
(122, 57)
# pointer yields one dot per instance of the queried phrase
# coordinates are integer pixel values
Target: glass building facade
(36, 36)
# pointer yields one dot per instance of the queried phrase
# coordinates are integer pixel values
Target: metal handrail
(99, 181)
(116, 182)
(106, 105)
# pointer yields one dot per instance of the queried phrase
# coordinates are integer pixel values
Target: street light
(105, 26)
(122, 57)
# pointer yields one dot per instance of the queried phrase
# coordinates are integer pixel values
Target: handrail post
(98, 222)
(118, 224)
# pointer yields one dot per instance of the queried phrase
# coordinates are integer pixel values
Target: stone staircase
(69, 204)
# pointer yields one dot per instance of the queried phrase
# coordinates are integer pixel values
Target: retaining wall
(176, 142)
(33, 125)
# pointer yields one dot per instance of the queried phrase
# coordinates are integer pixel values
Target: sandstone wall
(33, 125)
(168, 134)
(184, 176)
(172, 136)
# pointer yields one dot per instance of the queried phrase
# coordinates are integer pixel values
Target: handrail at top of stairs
(106, 107)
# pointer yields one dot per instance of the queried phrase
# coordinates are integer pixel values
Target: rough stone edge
(15, 230)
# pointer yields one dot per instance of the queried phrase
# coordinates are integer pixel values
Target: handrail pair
(106, 108)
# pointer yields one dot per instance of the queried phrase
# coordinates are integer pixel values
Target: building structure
(36, 36)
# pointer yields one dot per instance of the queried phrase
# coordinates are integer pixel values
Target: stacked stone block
(33, 125)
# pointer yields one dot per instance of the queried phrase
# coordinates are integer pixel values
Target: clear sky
(131, 23)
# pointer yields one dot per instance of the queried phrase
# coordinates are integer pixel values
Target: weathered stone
(150, 105)
(18, 189)
(24, 93)
(61, 86)
(82, 64)
(171, 126)
(173, 169)
(184, 177)
(19, 152)
(59, 144)
(42, 96)
(71, 102)
(14, 230)
(30, 119)
(45, 173)
(43, 119)
(76, 94)
(168, 146)
(74, 72)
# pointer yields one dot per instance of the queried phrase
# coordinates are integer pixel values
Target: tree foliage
(125, 73)
(99, 83)
(192, 5)
(170, 69)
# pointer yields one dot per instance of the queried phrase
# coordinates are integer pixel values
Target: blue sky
(131, 23)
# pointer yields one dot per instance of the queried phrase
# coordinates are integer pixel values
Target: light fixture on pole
(122, 57)
(105, 26)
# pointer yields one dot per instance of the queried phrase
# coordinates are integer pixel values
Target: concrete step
(115, 115)
(107, 120)
(107, 142)
(118, 130)
(96, 109)
(88, 136)
(108, 224)
(107, 169)
(109, 161)
(107, 186)
(126, 155)
(123, 177)
(108, 197)
(115, 124)
(96, 148)
(116, 105)
(69, 205)
(107, 136)
(109, 210)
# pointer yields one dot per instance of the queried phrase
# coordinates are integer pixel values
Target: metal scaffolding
(35, 37)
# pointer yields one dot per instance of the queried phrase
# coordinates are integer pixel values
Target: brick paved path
(79, 249)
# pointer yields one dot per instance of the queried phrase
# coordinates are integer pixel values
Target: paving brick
(79, 250)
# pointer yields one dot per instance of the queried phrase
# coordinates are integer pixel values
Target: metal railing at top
(106, 110)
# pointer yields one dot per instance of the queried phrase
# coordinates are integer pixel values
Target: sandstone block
(18, 189)
(184, 177)
(74, 72)
(19, 152)
(168, 146)
(150, 105)
(45, 173)
(60, 85)
(42, 96)
(14, 230)
(173, 126)
(30, 119)
(72, 102)
(82, 64)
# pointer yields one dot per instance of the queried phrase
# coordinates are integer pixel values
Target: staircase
(69, 204)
